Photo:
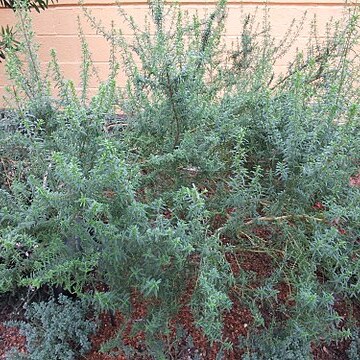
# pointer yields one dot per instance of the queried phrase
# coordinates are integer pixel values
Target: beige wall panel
(57, 27)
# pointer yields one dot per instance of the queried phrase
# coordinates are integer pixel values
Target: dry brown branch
(284, 217)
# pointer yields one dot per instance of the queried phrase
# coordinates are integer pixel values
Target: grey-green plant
(55, 330)
(354, 349)
(124, 188)
(7, 34)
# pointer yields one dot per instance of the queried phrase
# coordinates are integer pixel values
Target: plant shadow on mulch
(10, 336)
(236, 323)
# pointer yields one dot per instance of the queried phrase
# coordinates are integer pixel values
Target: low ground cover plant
(219, 196)
(55, 330)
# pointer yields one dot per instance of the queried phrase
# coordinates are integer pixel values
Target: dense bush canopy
(214, 159)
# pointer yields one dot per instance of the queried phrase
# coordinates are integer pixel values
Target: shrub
(278, 348)
(214, 157)
(354, 348)
(7, 35)
(55, 330)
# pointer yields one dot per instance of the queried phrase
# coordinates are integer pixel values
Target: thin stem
(284, 217)
(30, 52)
(176, 115)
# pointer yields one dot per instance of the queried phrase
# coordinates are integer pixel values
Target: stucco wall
(57, 26)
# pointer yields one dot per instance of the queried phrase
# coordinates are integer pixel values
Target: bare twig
(7, 172)
(284, 217)
(46, 176)
(318, 59)
(175, 112)
(113, 125)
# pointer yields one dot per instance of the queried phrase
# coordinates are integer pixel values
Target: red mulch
(10, 338)
(236, 321)
(355, 180)
(105, 332)
(258, 262)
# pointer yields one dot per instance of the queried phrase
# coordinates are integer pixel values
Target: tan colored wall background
(57, 26)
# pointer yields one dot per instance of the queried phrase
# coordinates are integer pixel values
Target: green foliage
(354, 348)
(7, 40)
(7, 34)
(36, 4)
(55, 330)
(206, 133)
(278, 348)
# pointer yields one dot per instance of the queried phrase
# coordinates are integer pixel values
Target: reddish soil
(9, 336)
(107, 330)
(236, 321)
(355, 180)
